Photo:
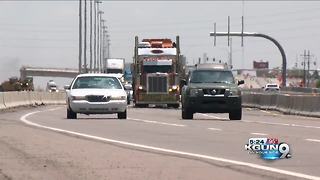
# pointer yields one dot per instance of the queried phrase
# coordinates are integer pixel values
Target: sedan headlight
(118, 97)
(195, 92)
(78, 98)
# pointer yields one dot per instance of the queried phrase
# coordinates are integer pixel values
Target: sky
(45, 33)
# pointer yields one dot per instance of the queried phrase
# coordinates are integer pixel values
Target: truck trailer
(115, 66)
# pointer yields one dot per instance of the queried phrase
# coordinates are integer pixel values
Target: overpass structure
(47, 72)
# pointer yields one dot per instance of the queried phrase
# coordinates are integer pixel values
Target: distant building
(260, 65)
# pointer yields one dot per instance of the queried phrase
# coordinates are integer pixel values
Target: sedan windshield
(208, 76)
(97, 83)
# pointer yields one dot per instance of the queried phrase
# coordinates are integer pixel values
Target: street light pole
(80, 36)
(101, 43)
(90, 35)
(85, 37)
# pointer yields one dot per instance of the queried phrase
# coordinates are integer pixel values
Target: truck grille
(213, 91)
(157, 84)
(94, 98)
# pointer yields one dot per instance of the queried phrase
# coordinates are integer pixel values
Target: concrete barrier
(14, 99)
(27, 98)
(2, 106)
(306, 105)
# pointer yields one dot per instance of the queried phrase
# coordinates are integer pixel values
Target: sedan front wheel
(122, 115)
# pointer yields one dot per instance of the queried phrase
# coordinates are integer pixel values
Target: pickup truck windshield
(210, 76)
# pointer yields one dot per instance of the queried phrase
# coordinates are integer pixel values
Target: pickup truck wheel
(186, 113)
(71, 114)
(235, 115)
(122, 115)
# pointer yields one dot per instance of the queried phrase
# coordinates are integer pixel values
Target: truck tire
(236, 115)
(186, 113)
(122, 115)
(71, 114)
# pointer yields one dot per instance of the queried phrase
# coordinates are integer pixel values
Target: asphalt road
(153, 143)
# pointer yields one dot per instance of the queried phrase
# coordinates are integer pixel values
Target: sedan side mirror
(240, 82)
(66, 87)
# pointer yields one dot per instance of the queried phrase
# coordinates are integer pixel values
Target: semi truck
(157, 72)
(115, 66)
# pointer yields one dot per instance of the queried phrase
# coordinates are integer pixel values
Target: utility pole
(80, 36)
(95, 37)
(101, 43)
(306, 57)
(85, 37)
(230, 55)
(308, 75)
(91, 35)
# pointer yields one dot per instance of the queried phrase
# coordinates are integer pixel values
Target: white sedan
(96, 94)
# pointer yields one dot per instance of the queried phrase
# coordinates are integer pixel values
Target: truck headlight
(140, 88)
(78, 98)
(195, 92)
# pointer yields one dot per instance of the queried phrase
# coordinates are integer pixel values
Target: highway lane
(209, 134)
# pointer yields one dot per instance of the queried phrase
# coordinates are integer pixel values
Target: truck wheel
(235, 115)
(122, 115)
(186, 113)
(71, 114)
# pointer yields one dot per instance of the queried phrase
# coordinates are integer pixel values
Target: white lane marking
(250, 109)
(251, 165)
(265, 111)
(215, 117)
(282, 124)
(260, 134)
(156, 122)
(53, 109)
(313, 140)
(215, 129)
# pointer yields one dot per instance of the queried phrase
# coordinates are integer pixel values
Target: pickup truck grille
(213, 91)
(157, 84)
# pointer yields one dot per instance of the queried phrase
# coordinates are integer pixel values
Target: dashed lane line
(313, 140)
(212, 116)
(215, 129)
(259, 134)
(175, 152)
(157, 122)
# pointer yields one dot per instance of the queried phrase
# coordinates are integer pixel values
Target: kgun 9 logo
(268, 148)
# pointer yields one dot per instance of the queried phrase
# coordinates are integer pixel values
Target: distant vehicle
(272, 88)
(15, 84)
(96, 94)
(52, 86)
(115, 66)
(211, 89)
(128, 88)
